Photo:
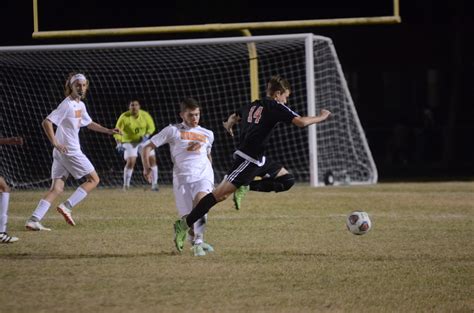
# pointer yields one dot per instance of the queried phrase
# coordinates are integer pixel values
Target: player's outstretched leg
(239, 194)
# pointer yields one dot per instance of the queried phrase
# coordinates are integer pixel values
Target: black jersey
(257, 122)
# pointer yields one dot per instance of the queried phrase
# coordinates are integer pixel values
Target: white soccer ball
(358, 223)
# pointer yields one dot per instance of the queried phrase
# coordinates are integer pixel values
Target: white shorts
(76, 164)
(133, 149)
(184, 194)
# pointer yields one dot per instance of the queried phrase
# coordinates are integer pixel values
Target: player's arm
(49, 131)
(101, 129)
(146, 160)
(156, 141)
(231, 121)
(303, 121)
(11, 141)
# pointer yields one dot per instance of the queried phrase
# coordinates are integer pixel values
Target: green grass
(286, 252)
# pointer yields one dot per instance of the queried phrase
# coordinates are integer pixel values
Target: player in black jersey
(257, 122)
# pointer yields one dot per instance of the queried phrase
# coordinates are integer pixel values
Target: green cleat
(239, 195)
(180, 231)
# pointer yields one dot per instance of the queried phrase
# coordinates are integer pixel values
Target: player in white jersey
(193, 177)
(68, 158)
(5, 196)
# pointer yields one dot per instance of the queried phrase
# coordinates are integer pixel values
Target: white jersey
(69, 117)
(189, 147)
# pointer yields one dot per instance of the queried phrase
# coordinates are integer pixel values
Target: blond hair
(67, 86)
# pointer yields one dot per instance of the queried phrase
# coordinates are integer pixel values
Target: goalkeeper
(136, 126)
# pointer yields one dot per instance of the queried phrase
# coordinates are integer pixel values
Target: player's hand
(120, 148)
(115, 131)
(61, 148)
(147, 174)
(228, 128)
(324, 114)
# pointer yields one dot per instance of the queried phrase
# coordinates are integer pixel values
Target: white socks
(154, 175)
(4, 211)
(77, 197)
(43, 205)
(127, 175)
(199, 228)
(41, 209)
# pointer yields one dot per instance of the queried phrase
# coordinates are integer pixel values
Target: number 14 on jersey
(255, 115)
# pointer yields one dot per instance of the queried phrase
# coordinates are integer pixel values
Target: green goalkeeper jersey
(134, 128)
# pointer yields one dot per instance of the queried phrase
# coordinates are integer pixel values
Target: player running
(137, 126)
(257, 122)
(5, 197)
(193, 177)
(68, 158)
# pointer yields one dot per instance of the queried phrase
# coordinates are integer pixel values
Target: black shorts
(243, 172)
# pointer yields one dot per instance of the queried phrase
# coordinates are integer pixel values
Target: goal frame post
(213, 27)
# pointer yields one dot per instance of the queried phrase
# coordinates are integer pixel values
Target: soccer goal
(161, 73)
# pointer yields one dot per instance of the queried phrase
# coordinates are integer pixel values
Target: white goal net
(160, 74)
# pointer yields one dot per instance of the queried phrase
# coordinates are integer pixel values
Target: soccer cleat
(35, 226)
(155, 188)
(207, 247)
(66, 213)
(5, 238)
(179, 234)
(198, 250)
(239, 195)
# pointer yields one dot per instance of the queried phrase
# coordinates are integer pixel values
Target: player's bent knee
(93, 180)
(284, 182)
(57, 190)
(4, 186)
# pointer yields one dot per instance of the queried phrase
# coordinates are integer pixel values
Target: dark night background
(411, 82)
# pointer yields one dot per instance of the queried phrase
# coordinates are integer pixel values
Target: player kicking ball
(258, 119)
(68, 158)
(193, 177)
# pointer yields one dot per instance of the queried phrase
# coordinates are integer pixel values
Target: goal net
(160, 74)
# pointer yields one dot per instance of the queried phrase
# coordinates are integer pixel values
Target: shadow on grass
(34, 256)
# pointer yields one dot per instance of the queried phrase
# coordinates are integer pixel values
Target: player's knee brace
(284, 182)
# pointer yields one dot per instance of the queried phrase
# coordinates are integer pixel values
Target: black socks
(201, 209)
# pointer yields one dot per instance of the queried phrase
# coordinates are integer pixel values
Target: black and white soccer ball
(358, 223)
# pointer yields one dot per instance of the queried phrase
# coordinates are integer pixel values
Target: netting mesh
(160, 76)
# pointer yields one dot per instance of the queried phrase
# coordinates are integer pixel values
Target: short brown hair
(189, 104)
(277, 83)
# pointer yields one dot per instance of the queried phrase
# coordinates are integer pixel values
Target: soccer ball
(358, 223)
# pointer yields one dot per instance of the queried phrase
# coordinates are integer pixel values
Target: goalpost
(160, 74)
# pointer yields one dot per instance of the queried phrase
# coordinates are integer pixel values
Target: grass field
(287, 252)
